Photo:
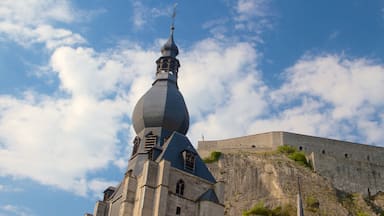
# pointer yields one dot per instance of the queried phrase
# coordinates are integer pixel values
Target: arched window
(180, 187)
(178, 210)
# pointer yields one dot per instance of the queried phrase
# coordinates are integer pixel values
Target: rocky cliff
(268, 182)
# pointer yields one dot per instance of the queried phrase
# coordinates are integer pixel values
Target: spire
(170, 48)
(168, 62)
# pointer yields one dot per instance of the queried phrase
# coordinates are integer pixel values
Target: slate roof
(209, 195)
(172, 152)
(161, 106)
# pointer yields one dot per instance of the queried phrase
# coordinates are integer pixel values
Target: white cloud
(143, 14)
(59, 140)
(31, 21)
(253, 16)
(214, 78)
(97, 186)
(45, 34)
(74, 132)
(15, 210)
(325, 95)
(251, 8)
(36, 11)
(349, 85)
(9, 188)
(332, 96)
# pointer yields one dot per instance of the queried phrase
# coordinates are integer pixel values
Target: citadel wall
(351, 167)
(258, 142)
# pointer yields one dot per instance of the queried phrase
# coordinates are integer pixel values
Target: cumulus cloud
(214, 78)
(349, 91)
(75, 131)
(143, 14)
(99, 185)
(8, 188)
(251, 8)
(328, 95)
(253, 16)
(30, 22)
(250, 19)
(14, 210)
(36, 11)
(59, 140)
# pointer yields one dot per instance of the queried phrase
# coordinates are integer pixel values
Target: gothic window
(178, 210)
(180, 187)
(189, 160)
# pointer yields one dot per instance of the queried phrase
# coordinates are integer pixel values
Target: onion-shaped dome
(161, 106)
(170, 48)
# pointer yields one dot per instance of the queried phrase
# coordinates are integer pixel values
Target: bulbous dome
(170, 47)
(161, 106)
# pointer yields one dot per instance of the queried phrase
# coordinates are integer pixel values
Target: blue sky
(71, 72)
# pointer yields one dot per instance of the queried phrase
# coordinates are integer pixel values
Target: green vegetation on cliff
(294, 154)
(213, 157)
(261, 209)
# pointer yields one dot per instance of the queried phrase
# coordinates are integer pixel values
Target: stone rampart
(351, 167)
(258, 142)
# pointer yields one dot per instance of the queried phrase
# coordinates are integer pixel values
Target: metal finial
(173, 16)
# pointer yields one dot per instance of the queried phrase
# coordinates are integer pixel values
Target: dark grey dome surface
(170, 47)
(161, 106)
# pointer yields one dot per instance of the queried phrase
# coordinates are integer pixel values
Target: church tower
(165, 174)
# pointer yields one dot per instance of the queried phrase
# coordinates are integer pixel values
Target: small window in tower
(180, 187)
(178, 210)
(346, 155)
(136, 143)
(189, 160)
(150, 141)
(301, 148)
(323, 152)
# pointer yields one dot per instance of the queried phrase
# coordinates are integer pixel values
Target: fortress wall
(339, 149)
(349, 175)
(259, 142)
(350, 166)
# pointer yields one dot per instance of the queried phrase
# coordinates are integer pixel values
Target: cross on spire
(173, 16)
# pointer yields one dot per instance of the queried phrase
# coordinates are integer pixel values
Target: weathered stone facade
(351, 167)
(156, 192)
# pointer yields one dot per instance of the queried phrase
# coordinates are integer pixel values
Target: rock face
(271, 178)
(351, 167)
